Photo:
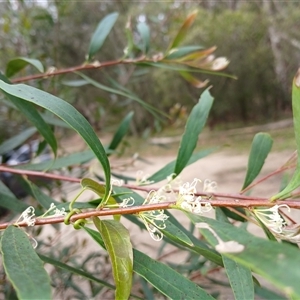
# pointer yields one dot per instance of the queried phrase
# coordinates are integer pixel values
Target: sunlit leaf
(182, 51)
(261, 146)
(193, 128)
(295, 181)
(117, 242)
(144, 32)
(166, 280)
(19, 63)
(168, 169)
(23, 267)
(198, 55)
(66, 112)
(181, 34)
(101, 33)
(269, 262)
(16, 140)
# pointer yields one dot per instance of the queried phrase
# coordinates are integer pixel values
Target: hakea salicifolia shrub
(185, 199)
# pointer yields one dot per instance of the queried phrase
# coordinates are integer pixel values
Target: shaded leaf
(182, 51)
(76, 271)
(170, 283)
(144, 32)
(117, 243)
(61, 162)
(240, 278)
(121, 131)
(9, 201)
(264, 257)
(193, 80)
(16, 140)
(261, 146)
(19, 63)
(154, 111)
(193, 128)
(295, 181)
(66, 112)
(23, 267)
(101, 33)
(31, 114)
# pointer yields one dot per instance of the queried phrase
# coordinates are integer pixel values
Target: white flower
(223, 247)
(127, 202)
(117, 182)
(271, 218)
(141, 179)
(27, 216)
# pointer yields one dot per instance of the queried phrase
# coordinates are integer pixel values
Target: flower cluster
(188, 201)
(55, 211)
(142, 179)
(272, 219)
(154, 220)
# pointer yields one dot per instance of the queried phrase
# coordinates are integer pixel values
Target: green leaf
(168, 169)
(23, 267)
(170, 283)
(75, 83)
(183, 31)
(117, 242)
(31, 114)
(66, 112)
(127, 94)
(121, 131)
(61, 162)
(274, 261)
(144, 32)
(19, 63)
(9, 201)
(240, 279)
(261, 146)
(295, 181)
(76, 271)
(101, 33)
(182, 51)
(194, 126)
(17, 140)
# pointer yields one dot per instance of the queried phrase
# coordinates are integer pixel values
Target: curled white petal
(209, 186)
(127, 202)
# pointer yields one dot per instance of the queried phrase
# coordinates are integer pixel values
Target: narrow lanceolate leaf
(261, 146)
(23, 267)
(8, 200)
(181, 34)
(170, 283)
(117, 242)
(240, 278)
(19, 63)
(67, 113)
(295, 181)
(121, 132)
(169, 168)
(269, 262)
(31, 114)
(102, 31)
(144, 32)
(16, 140)
(194, 126)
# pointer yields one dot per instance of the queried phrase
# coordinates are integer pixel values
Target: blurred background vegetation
(261, 39)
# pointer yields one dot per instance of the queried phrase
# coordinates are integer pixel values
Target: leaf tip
(297, 79)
